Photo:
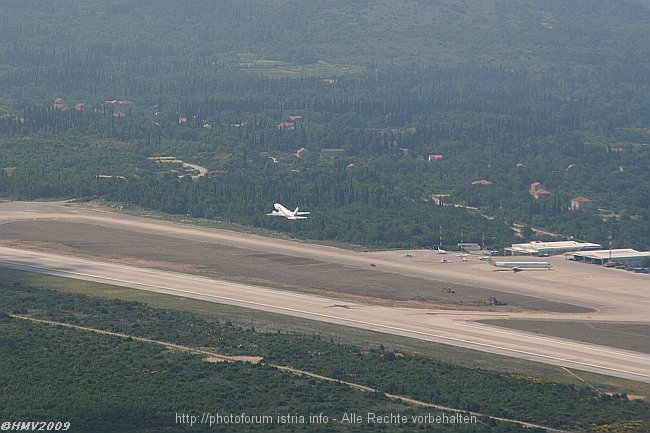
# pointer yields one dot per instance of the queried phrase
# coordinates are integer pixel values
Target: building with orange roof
(580, 202)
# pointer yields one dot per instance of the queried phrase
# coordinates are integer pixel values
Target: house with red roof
(538, 190)
(286, 125)
(580, 202)
(58, 104)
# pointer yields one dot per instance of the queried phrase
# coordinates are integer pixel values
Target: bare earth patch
(224, 358)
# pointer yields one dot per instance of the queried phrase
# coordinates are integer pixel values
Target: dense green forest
(107, 383)
(508, 92)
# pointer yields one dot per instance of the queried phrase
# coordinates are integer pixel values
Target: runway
(442, 328)
(611, 294)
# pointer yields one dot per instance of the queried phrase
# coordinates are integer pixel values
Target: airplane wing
(303, 213)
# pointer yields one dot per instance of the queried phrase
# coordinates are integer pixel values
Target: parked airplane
(520, 266)
(284, 212)
(441, 251)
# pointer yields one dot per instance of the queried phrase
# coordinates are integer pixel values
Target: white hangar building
(536, 248)
(626, 257)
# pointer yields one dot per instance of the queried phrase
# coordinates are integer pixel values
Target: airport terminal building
(543, 249)
(626, 257)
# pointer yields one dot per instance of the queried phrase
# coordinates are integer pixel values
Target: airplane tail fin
(295, 212)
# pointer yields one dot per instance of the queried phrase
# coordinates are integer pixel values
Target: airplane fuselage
(517, 266)
(281, 210)
(284, 212)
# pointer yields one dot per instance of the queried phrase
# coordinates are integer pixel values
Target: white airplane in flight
(284, 212)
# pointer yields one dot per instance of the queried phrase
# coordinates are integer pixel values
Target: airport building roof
(536, 248)
(614, 254)
(626, 256)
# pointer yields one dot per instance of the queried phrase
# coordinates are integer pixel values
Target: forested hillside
(507, 92)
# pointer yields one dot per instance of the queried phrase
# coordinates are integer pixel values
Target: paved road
(421, 324)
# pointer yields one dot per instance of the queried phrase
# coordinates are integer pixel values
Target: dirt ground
(264, 268)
